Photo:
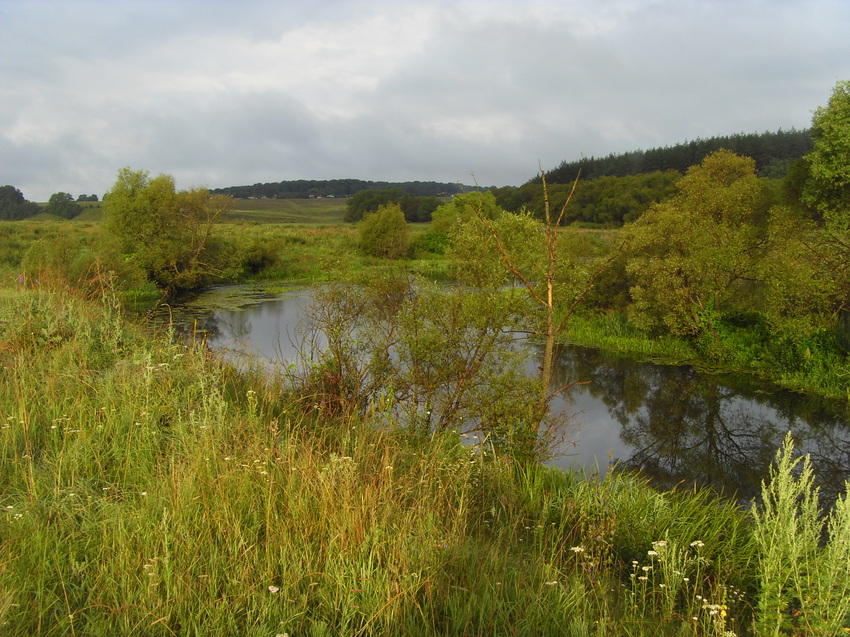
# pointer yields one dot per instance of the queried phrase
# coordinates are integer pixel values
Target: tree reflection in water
(684, 427)
(674, 424)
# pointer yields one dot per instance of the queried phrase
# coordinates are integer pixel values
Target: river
(674, 424)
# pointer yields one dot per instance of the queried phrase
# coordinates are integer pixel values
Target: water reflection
(674, 424)
(679, 426)
(262, 326)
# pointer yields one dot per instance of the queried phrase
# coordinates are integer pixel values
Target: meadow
(148, 487)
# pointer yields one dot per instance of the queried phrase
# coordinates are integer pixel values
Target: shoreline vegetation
(150, 488)
(280, 247)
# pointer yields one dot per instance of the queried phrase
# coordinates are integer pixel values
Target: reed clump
(149, 488)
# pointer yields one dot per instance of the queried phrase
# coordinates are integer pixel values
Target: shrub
(384, 233)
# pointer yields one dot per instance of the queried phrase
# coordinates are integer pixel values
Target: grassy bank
(147, 488)
(805, 363)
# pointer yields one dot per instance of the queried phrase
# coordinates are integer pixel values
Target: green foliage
(693, 259)
(167, 232)
(384, 233)
(13, 206)
(804, 272)
(432, 242)
(769, 150)
(415, 209)
(605, 200)
(336, 188)
(424, 358)
(475, 250)
(828, 186)
(63, 205)
(462, 208)
(804, 586)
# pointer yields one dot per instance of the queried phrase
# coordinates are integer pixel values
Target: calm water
(676, 425)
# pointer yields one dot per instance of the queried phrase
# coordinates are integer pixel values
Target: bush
(384, 233)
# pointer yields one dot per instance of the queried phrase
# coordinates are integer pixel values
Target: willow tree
(166, 231)
(696, 258)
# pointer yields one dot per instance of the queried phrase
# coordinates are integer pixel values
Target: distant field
(326, 210)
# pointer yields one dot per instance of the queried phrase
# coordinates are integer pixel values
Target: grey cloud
(494, 87)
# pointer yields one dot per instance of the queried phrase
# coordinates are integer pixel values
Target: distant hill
(306, 188)
(773, 153)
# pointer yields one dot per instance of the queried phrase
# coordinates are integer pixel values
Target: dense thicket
(304, 188)
(772, 152)
(605, 200)
(415, 209)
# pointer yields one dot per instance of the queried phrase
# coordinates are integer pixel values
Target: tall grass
(613, 332)
(147, 488)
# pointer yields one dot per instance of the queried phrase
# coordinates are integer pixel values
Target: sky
(223, 93)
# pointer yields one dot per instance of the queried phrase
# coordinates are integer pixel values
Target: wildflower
(550, 583)
(697, 544)
(652, 553)
(273, 589)
(642, 578)
(577, 549)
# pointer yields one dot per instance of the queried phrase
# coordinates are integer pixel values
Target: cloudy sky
(221, 93)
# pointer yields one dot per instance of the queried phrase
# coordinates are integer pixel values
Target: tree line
(306, 188)
(771, 151)
(619, 188)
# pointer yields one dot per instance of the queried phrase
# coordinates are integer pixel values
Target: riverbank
(149, 488)
(797, 366)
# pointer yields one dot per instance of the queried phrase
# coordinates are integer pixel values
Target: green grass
(796, 362)
(273, 211)
(614, 333)
(147, 488)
